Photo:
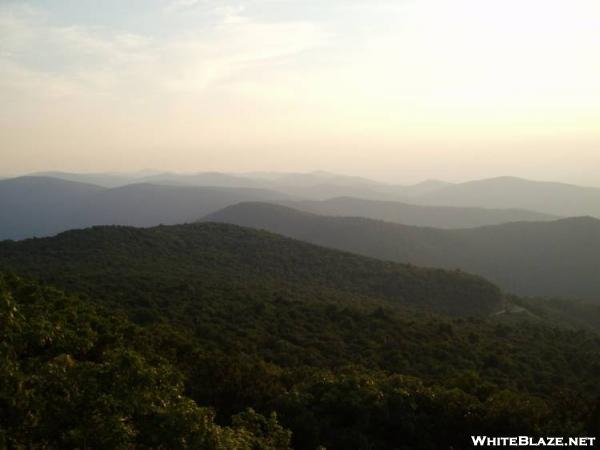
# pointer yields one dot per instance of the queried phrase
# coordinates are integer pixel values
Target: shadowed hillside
(557, 258)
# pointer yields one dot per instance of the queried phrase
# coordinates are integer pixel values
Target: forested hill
(339, 370)
(558, 258)
(343, 348)
(150, 265)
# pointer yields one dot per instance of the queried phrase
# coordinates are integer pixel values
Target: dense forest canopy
(207, 259)
(76, 376)
(201, 336)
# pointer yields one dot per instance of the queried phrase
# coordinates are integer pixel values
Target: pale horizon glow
(400, 90)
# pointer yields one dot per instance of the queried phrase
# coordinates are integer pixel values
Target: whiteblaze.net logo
(527, 441)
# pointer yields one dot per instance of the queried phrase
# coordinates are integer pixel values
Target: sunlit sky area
(398, 90)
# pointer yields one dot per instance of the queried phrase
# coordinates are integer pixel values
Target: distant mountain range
(556, 199)
(41, 206)
(107, 179)
(314, 185)
(558, 258)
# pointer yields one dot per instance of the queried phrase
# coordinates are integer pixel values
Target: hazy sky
(399, 90)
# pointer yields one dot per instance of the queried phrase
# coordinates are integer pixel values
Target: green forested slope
(197, 260)
(76, 375)
(228, 319)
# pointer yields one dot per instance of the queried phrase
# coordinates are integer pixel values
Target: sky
(400, 90)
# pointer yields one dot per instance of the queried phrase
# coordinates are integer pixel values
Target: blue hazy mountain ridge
(112, 179)
(37, 206)
(557, 199)
(557, 258)
(104, 179)
(43, 206)
(215, 179)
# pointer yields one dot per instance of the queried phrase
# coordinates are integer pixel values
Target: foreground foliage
(74, 376)
(68, 379)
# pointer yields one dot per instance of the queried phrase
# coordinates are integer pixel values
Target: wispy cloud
(180, 5)
(35, 52)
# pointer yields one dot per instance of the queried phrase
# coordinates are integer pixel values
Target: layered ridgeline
(203, 257)
(417, 215)
(317, 185)
(510, 192)
(36, 206)
(558, 258)
(556, 199)
(232, 318)
(42, 206)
